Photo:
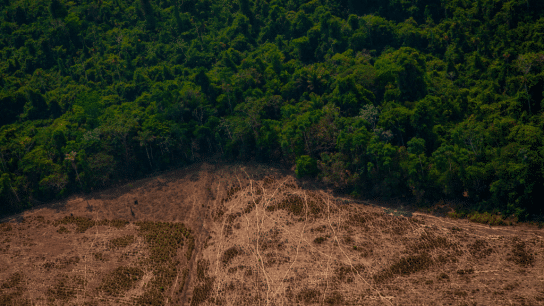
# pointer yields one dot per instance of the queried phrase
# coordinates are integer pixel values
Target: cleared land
(231, 235)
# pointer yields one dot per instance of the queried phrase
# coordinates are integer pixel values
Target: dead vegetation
(121, 242)
(480, 249)
(293, 232)
(319, 240)
(13, 281)
(120, 280)
(63, 230)
(428, 242)
(405, 266)
(203, 289)
(334, 298)
(5, 227)
(271, 242)
(83, 223)
(65, 288)
(12, 289)
(520, 253)
(61, 263)
(307, 295)
(293, 204)
(229, 254)
(163, 239)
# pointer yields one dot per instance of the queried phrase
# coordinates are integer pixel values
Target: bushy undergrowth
(481, 217)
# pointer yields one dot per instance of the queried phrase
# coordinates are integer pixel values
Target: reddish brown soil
(261, 239)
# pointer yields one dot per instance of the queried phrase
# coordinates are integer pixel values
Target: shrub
(319, 240)
(443, 276)
(455, 214)
(486, 218)
(63, 230)
(229, 254)
(306, 166)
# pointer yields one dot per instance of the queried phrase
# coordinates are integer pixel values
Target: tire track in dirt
(200, 233)
(221, 242)
(87, 256)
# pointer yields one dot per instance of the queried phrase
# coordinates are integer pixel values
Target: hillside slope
(425, 100)
(252, 235)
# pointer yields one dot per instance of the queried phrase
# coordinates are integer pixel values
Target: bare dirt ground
(254, 235)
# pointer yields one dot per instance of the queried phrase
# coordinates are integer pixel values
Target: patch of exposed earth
(254, 235)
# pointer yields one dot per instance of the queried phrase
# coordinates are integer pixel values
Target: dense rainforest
(425, 100)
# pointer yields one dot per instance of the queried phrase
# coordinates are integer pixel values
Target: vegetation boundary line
(111, 187)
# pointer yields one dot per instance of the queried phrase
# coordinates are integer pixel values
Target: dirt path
(199, 215)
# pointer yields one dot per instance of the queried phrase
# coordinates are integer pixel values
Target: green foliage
(384, 98)
(57, 9)
(306, 166)
(486, 218)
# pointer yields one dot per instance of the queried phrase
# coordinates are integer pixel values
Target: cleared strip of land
(231, 235)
